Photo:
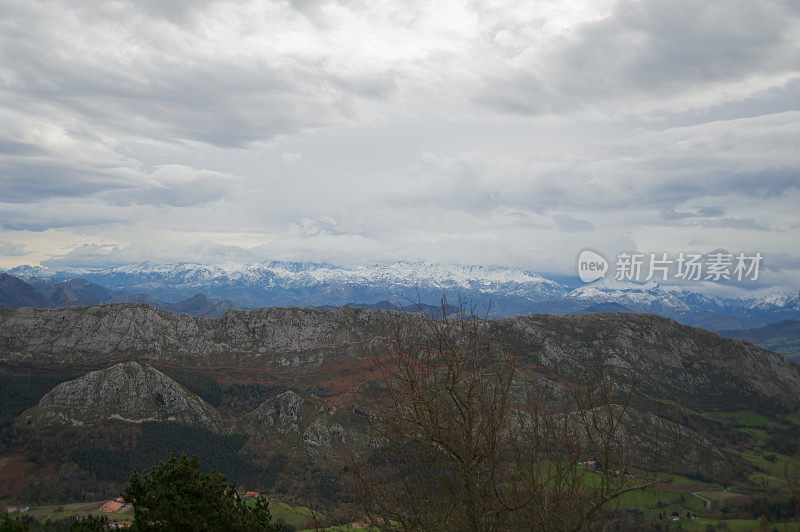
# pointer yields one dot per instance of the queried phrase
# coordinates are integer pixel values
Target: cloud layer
(500, 132)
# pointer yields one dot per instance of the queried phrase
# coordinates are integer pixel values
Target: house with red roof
(111, 506)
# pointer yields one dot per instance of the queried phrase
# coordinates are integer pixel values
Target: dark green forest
(20, 392)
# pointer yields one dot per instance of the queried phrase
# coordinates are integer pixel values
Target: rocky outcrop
(114, 332)
(694, 367)
(128, 392)
(280, 413)
(289, 418)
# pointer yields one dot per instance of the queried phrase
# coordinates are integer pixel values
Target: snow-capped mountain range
(267, 279)
(506, 291)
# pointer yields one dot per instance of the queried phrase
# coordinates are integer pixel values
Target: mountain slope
(692, 365)
(782, 337)
(128, 392)
(418, 308)
(287, 382)
(17, 293)
(695, 367)
(123, 331)
(202, 307)
(51, 293)
(293, 420)
(774, 308)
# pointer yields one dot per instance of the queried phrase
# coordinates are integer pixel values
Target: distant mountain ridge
(415, 308)
(310, 284)
(50, 293)
(782, 337)
(16, 293)
(504, 291)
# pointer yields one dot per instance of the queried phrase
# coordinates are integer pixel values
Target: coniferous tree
(177, 495)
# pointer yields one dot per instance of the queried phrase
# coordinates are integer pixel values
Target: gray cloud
(92, 254)
(569, 224)
(26, 181)
(49, 215)
(178, 186)
(656, 55)
(738, 223)
(12, 249)
(174, 73)
(504, 132)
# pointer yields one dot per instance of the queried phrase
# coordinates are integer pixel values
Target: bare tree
(462, 441)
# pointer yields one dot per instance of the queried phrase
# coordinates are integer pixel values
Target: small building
(11, 509)
(250, 495)
(111, 506)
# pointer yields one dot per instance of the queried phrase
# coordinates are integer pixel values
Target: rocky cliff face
(289, 418)
(118, 331)
(129, 392)
(321, 356)
(673, 361)
(657, 354)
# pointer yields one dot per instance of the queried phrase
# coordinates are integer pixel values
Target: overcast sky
(509, 133)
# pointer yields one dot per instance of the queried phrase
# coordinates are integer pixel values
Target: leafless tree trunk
(462, 442)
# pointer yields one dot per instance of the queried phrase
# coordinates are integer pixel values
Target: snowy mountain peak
(506, 290)
(27, 272)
